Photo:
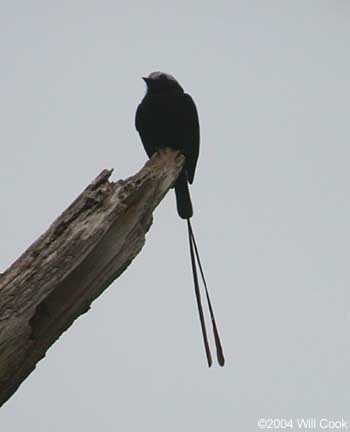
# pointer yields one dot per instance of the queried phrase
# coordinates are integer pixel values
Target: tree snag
(88, 246)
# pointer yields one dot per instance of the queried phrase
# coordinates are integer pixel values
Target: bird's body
(167, 117)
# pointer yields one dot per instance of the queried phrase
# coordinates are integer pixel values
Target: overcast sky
(271, 200)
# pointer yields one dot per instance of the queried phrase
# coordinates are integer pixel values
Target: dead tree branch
(74, 261)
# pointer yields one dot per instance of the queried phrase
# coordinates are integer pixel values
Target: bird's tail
(183, 199)
(195, 257)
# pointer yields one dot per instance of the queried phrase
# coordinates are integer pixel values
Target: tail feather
(193, 245)
(183, 199)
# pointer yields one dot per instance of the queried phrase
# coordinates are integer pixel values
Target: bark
(74, 261)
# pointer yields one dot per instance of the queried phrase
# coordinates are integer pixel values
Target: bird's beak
(146, 80)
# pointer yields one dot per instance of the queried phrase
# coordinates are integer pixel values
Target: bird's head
(161, 82)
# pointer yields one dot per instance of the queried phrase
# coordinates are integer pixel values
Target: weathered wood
(73, 262)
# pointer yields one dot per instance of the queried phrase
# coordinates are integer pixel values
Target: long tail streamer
(195, 256)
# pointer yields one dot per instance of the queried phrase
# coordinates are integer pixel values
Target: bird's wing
(191, 144)
(137, 117)
(142, 122)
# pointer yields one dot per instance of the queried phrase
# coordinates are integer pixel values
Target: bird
(167, 117)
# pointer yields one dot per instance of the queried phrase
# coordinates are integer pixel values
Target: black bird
(167, 117)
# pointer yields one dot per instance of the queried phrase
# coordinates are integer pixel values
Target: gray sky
(271, 82)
